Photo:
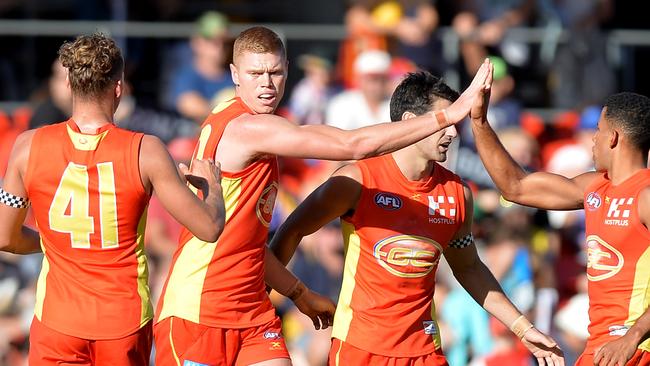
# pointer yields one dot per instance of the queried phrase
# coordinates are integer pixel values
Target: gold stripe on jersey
(223, 105)
(185, 285)
(640, 297)
(41, 285)
(436, 337)
(343, 314)
(108, 205)
(143, 273)
(85, 142)
(200, 150)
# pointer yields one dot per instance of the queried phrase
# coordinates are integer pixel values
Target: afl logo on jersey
(264, 207)
(593, 201)
(603, 260)
(388, 201)
(408, 256)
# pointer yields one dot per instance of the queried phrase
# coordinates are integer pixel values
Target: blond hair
(94, 62)
(258, 40)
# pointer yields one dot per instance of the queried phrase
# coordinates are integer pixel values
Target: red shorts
(179, 341)
(342, 354)
(640, 358)
(49, 347)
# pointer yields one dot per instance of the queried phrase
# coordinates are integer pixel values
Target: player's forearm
(386, 138)
(639, 332)
(480, 283)
(504, 171)
(277, 276)
(215, 214)
(27, 241)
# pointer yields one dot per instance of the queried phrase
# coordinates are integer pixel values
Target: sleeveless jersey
(393, 242)
(222, 284)
(89, 204)
(618, 265)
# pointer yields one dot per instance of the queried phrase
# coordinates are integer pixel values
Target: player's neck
(413, 166)
(626, 164)
(90, 115)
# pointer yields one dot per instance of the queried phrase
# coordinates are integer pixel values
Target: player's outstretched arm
(621, 350)
(14, 236)
(270, 134)
(480, 283)
(317, 307)
(205, 218)
(540, 189)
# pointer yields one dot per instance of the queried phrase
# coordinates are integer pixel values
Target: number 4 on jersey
(73, 192)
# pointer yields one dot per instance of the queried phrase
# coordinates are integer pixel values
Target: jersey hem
(380, 352)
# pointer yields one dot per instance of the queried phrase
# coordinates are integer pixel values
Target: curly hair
(94, 62)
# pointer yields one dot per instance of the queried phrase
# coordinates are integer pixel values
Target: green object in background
(212, 24)
(500, 67)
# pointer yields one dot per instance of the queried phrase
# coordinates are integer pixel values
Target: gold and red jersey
(89, 204)
(221, 284)
(618, 264)
(393, 242)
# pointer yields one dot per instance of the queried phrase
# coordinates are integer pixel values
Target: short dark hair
(258, 40)
(631, 113)
(417, 93)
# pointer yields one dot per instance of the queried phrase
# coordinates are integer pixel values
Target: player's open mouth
(267, 96)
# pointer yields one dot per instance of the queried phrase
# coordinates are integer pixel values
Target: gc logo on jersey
(603, 260)
(388, 201)
(407, 256)
(264, 207)
(593, 201)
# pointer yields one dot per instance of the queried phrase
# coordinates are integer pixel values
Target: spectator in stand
(368, 104)
(199, 84)
(58, 105)
(481, 24)
(164, 125)
(406, 27)
(310, 96)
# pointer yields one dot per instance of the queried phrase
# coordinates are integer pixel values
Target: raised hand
(479, 110)
(461, 107)
(317, 307)
(543, 347)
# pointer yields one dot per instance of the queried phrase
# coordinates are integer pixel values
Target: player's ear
(613, 138)
(408, 115)
(234, 73)
(118, 89)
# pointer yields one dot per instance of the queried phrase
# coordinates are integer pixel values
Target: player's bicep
(461, 251)
(268, 134)
(13, 194)
(552, 191)
(163, 175)
(332, 199)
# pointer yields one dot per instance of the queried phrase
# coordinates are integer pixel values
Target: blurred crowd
(538, 257)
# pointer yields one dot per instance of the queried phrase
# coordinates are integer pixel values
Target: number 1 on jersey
(73, 192)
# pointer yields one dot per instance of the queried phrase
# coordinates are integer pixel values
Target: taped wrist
(520, 326)
(296, 291)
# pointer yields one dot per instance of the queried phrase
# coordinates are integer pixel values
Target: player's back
(89, 202)
(394, 240)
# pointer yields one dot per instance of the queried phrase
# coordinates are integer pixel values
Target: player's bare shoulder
(350, 171)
